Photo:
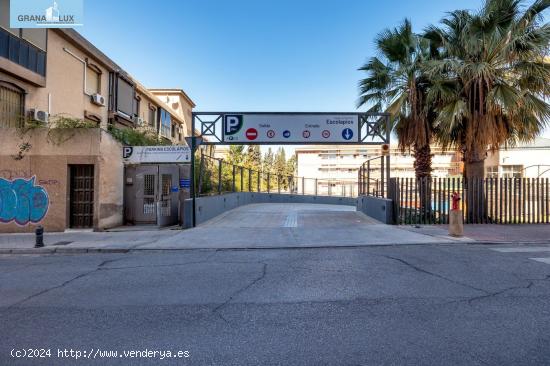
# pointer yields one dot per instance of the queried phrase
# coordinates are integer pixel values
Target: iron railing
(216, 176)
(483, 200)
(372, 177)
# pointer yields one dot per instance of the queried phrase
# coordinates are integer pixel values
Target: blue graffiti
(21, 201)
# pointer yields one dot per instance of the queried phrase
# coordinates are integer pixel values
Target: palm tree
(396, 84)
(494, 78)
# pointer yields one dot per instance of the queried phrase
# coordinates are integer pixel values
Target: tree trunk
(474, 196)
(423, 172)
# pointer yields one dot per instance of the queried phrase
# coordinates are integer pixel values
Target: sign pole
(388, 168)
(193, 168)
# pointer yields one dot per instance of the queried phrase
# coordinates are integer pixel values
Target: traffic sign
(251, 134)
(347, 134)
(294, 128)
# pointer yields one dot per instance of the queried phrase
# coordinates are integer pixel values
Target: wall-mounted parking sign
(284, 128)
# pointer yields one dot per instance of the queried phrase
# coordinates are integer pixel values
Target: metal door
(168, 197)
(146, 192)
(81, 196)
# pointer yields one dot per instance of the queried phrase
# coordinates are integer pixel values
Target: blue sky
(259, 55)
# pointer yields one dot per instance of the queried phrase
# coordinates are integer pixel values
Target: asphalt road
(452, 304)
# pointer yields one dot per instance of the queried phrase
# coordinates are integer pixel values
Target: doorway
(81, 196)
(152, 194)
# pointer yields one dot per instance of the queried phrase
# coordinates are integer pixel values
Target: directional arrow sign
(347, 134)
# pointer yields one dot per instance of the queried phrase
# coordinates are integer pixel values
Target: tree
(495, 77)
(280, 168)
(253, 158)
(396, 84)
(267, 168)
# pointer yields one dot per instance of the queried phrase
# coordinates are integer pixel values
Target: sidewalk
(121, 241)
(500, 234)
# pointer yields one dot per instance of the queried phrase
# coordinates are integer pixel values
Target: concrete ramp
(293, 225)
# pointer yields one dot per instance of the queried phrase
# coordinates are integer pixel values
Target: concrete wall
(380, 209)
(210, 207)
(48, 162)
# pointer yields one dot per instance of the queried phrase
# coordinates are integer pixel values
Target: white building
(522, 161)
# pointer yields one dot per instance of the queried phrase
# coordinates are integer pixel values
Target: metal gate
(153, 199)
(81, 196)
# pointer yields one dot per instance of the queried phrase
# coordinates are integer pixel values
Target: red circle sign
(326, 134)
(251, 134)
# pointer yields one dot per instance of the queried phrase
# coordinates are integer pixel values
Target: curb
(54, 250)
(49, 250)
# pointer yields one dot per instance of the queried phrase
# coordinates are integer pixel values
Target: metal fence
(483, 200)
(216, 176)
(372, 177)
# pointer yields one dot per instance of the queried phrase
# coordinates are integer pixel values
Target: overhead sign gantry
(289, 128)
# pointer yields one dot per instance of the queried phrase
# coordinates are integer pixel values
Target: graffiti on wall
(22, 201)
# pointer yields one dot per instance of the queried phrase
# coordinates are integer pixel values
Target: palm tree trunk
(474, 174)
(423, 172)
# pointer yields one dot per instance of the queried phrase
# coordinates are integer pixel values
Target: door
(146, 191)
(81, 196)
(168, 198)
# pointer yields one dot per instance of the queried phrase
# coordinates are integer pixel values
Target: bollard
(456, 225)
(39, 242)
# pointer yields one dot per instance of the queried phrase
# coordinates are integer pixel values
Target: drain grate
(62, 243)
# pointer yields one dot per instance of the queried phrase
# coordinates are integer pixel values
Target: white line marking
(522, 249)
(291, 220)
(542, 260)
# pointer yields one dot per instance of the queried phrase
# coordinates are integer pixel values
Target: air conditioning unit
(40, 116)
(139, 121)
(98, 99)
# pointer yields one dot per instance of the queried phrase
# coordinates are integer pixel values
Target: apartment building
(336, 167)
(525, 160)
(74, 178)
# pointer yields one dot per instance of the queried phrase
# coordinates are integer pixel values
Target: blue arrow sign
(347, 133)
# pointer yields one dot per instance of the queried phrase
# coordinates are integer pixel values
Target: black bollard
(39, 237)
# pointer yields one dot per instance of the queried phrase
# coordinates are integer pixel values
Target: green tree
(253, 158)
(267, 168)
(397, 84)
(280, 168)
(495, 77)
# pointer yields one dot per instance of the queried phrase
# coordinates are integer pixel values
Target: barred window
(12, 102)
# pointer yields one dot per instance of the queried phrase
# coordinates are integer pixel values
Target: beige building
(336, 167)
(72, 178)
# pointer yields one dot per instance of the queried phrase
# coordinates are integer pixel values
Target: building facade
(70, 178)
(525, 160)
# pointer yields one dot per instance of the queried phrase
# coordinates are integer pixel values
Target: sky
(253, 55)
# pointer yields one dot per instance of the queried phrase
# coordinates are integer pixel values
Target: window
(152, 117)
(174, 130)
(22, 52)
(93, 79)
(124, 97)
(165, 123)
(12, 102)
(512, 171)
